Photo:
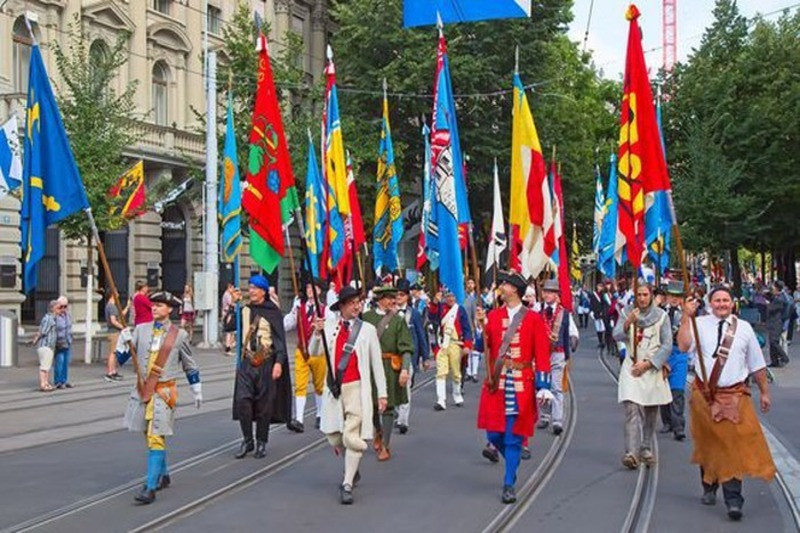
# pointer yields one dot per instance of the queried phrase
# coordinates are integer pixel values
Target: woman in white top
(187, 311)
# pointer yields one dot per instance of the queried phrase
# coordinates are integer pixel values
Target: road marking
(788, 472)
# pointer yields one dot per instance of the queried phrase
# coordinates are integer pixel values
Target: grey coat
(180, 360)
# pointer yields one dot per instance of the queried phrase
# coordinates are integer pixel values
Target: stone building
(166, 43)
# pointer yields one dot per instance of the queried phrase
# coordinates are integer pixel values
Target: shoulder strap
(513, 327)
(384, 323)
(556, 331)
(722, 353)
(347, 353)
(149, 386)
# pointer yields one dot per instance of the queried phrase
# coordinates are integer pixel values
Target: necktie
(548, 312)
(719, 336)
(346, 325)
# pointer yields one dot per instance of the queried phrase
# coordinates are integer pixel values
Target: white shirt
(745, 357)
(512, 311)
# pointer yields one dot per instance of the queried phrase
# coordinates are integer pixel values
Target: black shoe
(402, 428)
(296, 426)
(316, 424)
(261, 450)
(246, 447)
(145, 496)
(680, 435)
(438, 407)
(709, 498)
(346, 494)
(163, 482)
(557, 429)
(526, 453)
(356, 478)
(735, 512)
(509, 494)
(491, 454)
(543, 423)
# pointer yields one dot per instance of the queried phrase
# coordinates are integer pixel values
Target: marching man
(518, 359)
(162, 351)
(354, 353)
(421, 355)
(301, 318)
(455, 342)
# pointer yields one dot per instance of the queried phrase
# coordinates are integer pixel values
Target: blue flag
(429, 195)
(599, 204)
(606, 260)
(658, 219)
(422, 12)
(388, 228)
(315, 211)
(230, 195)
(51, 184)
(450, 207)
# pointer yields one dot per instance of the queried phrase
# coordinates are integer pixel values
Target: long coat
(180, 360)
(370, 367)
(396, 339)
(534, 351)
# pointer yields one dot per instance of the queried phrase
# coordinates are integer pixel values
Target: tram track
(510, 515)
(637, 520)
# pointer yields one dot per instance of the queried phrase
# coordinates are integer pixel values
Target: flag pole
(474, 257)
(296, 287)
(114, 294)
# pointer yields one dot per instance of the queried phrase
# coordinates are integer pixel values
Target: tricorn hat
(165, 297)
(345, 295)
(513, 278)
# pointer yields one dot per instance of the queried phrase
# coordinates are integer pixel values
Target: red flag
(563, 260)
(269, 167)
(128, 196)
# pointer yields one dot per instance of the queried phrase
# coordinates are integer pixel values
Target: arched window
(22, 44)
(160, 93)
(98, 51)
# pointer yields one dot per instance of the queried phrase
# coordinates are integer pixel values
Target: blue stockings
(510, 447)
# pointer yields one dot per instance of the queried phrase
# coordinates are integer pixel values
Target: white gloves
(126, 335)
(197, 392)
(544, 396)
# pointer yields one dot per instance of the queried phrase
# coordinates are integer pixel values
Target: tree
(97, 119)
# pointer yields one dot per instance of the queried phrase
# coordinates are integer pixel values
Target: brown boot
(384, 454)
(377, 442)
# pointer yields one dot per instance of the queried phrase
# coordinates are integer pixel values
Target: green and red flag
(270, 196)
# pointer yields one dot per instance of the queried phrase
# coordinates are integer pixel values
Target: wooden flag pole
(474, 257)
(296, 287)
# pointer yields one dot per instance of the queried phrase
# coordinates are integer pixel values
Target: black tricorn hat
(345, 295)
(513, 278)
(165, 297)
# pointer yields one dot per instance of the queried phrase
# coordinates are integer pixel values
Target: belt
(389, 355)
(516, 366)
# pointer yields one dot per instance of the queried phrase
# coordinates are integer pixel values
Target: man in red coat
(518, 359)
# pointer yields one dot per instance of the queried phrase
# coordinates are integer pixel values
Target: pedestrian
(306, 367)
(642, 384)
(354, 351)
(332, 295)
(163, 352)
(63, 351)
(397, 348)
(728, 443)
(454, 342)
(113, 327)
(188, 312)
(774, 312)
(563, 338)
(473, 360)
(598, 310)
(262, 390)
(142, 306)
(583, 308)
(673, 414)
(518, 357)
(230, 303)
(420, 359)
(45, 342)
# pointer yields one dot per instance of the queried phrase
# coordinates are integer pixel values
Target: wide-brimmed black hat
(403, 285)
(513, 278)
(165, 297)
(345, 295)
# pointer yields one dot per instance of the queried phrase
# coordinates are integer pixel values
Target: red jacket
(533, 353)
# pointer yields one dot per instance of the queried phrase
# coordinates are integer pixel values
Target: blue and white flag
(230, 194)
(423, 12)
(599, 204)
(610, 237)
(10, 157)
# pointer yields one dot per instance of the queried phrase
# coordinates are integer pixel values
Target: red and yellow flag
(127, 197)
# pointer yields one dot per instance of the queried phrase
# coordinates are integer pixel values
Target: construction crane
(669, 33)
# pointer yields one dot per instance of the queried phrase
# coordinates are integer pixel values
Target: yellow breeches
(314, 368)
(448, 361)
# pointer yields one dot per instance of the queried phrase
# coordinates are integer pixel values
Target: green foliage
(97, 119)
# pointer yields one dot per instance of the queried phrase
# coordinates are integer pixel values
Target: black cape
(255, 395)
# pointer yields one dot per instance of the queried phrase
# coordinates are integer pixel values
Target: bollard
(9, 349)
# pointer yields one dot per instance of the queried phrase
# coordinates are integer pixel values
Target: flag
(658, 216)
(497, 240)
(127, 197)
(449, 207)
(388, 228)
(51, 184)
(565, 289)
(355, 220)
(554, 232)
(10, 157)
(422, 12)
(315, 212)
(530, 201)
(575, 265)
(423, 252)
(599, 203)
(269, 196)
(334, 166)
(612, 243)
(230, 194)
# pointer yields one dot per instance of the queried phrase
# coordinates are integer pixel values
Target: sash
(445, 330)
(555, 329)
(335, 384)
(513, 327)
(147, 388)
(723, 351)
(384, 323)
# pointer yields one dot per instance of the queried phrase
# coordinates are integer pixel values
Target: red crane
(669, 32)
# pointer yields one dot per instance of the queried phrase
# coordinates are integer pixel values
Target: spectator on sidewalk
(142, 307)
(63, 351)
(775, 305)
(45, 342)
(188, 312)
(113, 327)
(229, 299)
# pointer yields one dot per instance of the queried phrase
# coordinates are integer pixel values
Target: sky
(608, 31)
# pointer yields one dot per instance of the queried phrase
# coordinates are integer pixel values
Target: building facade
(166, 44)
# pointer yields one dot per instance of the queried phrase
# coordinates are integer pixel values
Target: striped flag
(498, 240)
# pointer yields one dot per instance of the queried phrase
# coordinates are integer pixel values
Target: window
(160, 93)
(98, 53)
(21, 53)
(162, 6)
(214, 20)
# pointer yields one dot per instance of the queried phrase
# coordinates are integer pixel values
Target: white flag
(498, 240)
(10, 157)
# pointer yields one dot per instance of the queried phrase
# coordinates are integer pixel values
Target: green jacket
(396, 338)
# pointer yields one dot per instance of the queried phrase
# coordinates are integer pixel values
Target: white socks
(299, 408)
(351, 461)
(457, 398)
(441, 392)
(318, 403)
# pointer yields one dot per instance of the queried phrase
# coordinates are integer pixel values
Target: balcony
(10, 102)
(167, 144)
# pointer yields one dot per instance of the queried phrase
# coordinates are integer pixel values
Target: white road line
(788, 472)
